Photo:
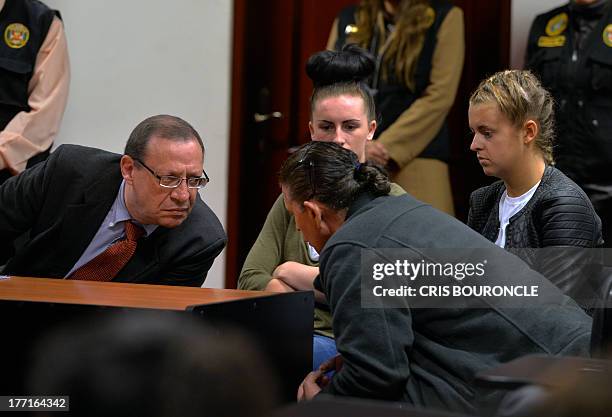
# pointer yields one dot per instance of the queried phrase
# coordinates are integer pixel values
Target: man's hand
(317, 380)
(332, 364)
(310, 386)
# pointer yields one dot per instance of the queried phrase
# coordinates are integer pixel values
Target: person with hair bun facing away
(389, 348)
(342, 111)
(534, 205)
(419, 47)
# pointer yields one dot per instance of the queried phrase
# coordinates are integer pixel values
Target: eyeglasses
(170, 181)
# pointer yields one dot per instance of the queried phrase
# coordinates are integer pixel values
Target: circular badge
(557, 25)
(16, 35)
(350, 29)
(430, 17)
(607, 35)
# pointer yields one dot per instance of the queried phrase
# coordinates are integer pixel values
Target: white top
(312, 253)
(508, 207)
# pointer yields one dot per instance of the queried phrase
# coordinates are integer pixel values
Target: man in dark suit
(82, 201)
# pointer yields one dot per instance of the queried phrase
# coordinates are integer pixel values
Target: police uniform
(412, 122)
(34, 77)
(570, 49)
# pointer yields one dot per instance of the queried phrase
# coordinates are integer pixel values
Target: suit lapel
(81, 221)
(145, 260)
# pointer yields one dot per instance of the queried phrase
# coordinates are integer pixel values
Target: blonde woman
(419, 45)
(534, 205)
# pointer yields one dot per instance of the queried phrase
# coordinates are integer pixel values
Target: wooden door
(272, 42)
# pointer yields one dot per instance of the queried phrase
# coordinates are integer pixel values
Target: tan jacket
(418, 125)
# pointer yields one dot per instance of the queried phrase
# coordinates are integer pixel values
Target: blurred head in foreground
(152, 365)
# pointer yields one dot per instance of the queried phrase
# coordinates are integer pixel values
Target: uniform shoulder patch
(350, 29)
(430, 17)
(16, 35)
(557, 24)
(607, 35)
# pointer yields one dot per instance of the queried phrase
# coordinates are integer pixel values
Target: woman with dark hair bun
(419, 50)
(341, 105)
(343, 112)
(390, 349)
(351, 64)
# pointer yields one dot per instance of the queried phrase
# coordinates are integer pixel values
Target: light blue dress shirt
(110, 231)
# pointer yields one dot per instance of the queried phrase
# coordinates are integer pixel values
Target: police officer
(570, 48)
(34, 78)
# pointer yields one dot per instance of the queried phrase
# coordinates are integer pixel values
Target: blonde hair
(520, 97)
(412, 20)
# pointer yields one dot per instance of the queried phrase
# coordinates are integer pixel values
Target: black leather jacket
(559, 216)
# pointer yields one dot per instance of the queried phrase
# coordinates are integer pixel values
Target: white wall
(131, 59)
(523, 13)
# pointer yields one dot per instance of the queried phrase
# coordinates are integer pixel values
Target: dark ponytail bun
(352, 63)
(372, 178)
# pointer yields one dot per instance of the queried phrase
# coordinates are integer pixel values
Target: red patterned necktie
(106, 265)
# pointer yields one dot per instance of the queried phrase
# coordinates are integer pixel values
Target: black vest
(582, 88)
(23, 26)
(393, 97)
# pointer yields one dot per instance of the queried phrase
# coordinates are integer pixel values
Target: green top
(279, 241)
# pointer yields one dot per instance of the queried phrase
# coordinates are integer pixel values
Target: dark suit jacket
(63, 201)
(559, 216)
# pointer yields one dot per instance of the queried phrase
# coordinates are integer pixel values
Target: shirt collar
(120, 213)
